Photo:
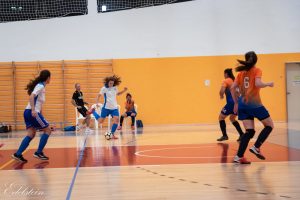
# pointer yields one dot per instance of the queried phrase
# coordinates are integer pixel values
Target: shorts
(260, 113)
(82, 111)
(228, 109)
(130, 112)
(38, 122)
(106, 112)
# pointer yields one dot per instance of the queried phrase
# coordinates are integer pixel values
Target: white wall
(200, 27)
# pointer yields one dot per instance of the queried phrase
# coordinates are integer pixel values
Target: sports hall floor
(156, 162)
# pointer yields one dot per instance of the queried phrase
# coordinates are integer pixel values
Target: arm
(74, 103)
(260, 84)
(234, 96)
(97, 99)
(31, 101)
(124, 90)
(222, 91)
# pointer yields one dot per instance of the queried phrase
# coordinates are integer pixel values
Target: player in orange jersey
(228, 108)
(249, 106)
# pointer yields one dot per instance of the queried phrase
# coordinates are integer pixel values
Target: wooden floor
(156, 162)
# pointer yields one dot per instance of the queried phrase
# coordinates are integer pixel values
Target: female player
(130, 111)
(249, 106)
(228, 108)
(110, 107)
(33, 117)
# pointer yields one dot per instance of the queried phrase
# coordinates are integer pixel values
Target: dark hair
(44, 75)
(228, 71)
(116, 79)
(128, 95)
(250, 61)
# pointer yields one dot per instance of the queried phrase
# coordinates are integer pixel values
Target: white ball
(108, 135)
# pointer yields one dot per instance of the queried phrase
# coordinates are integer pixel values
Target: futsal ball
(107, 135)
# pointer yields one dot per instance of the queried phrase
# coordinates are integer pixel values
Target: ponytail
(44, 75)
(250, 61)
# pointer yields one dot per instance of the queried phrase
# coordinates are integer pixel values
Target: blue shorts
(38, 122)
(106, 112)
(260, 113)
(130, 112)
(228, 109)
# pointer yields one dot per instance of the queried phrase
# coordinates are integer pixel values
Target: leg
(43, 141)
(88, 120)
(222, 123)
(268, 123)
(249, 126)
(122, 119)
(236, 125)
(24, 144)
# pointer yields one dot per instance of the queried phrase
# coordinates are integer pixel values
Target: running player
(78, 102)
(249, 106)
(33, 117)
(130, 111)
(228, 108)
(110, 91)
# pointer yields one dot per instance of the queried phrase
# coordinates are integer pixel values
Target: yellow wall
(172, 90)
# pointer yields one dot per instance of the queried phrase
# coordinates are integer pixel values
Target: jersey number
(246, 82)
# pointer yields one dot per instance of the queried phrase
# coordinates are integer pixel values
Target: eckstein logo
(16, 191)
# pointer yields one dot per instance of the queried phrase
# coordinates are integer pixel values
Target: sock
(238, 127)
(223, 127)
(245, 141)
(132, 120)
(43, 142)
(24, 145)
(121, 120)
(263, 136)
(96, 115)
(114, 128)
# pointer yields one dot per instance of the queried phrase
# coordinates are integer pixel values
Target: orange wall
(172, 90)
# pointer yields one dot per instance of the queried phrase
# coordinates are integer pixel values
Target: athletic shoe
(19, 158)
(257, 152)
(242, 160)
(119, 128)
(40, 156)
(222, 138)
(114, 137)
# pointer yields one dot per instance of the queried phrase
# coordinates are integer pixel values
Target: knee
(221, 117)
(250, 133)
(269, 128)
(232, 118)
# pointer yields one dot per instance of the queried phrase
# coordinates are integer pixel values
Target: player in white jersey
(33, 117)
(110, 107)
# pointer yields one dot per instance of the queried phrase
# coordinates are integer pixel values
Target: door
(293, 91)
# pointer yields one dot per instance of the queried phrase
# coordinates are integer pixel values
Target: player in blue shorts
(130, 111)
(228, 108)
(33, 117)
(249, 106)
(110, 107)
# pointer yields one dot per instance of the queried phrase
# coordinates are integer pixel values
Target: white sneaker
(256, 151)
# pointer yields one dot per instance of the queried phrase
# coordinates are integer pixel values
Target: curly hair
(116, 79)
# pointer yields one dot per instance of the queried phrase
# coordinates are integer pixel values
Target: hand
(221, 96)
(125, 88)
(78, 107)
(34, 113)
(271, 84)
(86, 103)
(235, 108)
(97, 105)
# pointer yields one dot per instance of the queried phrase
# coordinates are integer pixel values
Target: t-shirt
(39, 91)
(110, 97)
(227, 83)
(249, 92)
(78, 98)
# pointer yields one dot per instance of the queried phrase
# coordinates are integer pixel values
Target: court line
(77, 167)
(10, 161)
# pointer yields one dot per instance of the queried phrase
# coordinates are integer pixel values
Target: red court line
(149, 155)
